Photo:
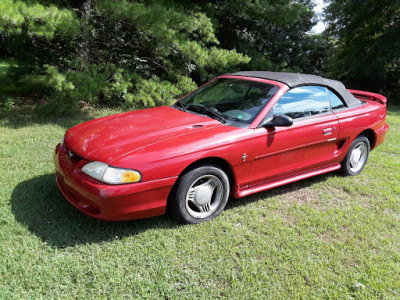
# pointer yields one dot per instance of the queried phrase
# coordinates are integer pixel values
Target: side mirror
(278, 121)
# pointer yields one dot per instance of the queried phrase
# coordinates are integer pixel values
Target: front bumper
(109, 202)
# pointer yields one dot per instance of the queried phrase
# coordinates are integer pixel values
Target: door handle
(327, 131)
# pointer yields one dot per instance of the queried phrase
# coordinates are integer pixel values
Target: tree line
(146, 53)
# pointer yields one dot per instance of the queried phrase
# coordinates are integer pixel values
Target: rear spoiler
(368, 96)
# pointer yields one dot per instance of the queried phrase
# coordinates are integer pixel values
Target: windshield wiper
(180, 106)
(208, 111)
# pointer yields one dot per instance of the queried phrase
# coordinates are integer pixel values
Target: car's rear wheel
(200, 195)
(356, 157)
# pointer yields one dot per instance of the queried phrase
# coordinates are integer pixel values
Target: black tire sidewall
(177, 205)
(346, 162)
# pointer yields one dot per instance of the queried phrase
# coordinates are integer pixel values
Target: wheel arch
(370, 134)
(217, 161)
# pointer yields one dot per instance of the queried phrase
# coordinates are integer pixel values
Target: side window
(336, 102)
(302, 102)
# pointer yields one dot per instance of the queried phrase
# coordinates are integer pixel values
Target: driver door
(280, 152)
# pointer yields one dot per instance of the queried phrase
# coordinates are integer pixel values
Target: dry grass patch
(337, 236)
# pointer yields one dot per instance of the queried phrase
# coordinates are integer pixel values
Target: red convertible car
(239, 134)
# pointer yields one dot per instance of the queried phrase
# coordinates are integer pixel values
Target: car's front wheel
(200, 195)
(356, 157)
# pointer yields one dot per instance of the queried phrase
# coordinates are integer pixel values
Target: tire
(357, 156)
(200, 195)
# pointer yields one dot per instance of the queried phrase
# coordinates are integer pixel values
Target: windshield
(237, 99)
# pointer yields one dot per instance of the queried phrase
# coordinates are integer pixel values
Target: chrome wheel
(204, 196)
(358, 157)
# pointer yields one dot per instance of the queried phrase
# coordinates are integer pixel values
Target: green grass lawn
(325, 237)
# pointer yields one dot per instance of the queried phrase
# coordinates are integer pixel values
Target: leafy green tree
(113, 51)
(274, 33)
(367, 44)
(146, 52)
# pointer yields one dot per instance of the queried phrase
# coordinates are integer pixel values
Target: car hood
(108, 138)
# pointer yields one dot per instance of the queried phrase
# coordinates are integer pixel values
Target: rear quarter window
(336, 102)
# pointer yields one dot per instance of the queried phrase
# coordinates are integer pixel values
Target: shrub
(155, 92)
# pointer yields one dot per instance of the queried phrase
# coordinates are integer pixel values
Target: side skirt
(272, 184)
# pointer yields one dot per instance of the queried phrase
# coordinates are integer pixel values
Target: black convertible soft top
(298, 79)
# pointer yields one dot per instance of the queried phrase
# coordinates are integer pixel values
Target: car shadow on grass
(38, 204)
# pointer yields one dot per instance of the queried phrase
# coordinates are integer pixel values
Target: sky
(319, 27)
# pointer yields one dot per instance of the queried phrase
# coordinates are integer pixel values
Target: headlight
(112, 175)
